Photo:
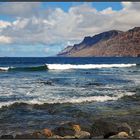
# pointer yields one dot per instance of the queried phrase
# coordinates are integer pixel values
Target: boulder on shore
(6, 137)
(137, 134)
(27, 136)
(68, 129)
(121, 135)
(82, 135)
(47, 132)
(125, 127)
(103, 128)
(108, 128)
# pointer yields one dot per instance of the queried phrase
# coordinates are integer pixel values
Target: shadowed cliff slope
(111, 43)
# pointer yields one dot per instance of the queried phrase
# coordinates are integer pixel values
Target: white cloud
(4, 24)
(108, 11)
(69, 43)
(131, 6)
(19, 9)
(5, 40)
(33, 25)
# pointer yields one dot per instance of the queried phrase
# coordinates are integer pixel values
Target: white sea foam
(6, 103)
(71, 100)
(4, 68)
(85, 66)
(93, 98)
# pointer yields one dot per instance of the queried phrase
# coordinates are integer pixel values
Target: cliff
(111, 43)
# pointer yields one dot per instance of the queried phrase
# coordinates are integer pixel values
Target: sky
(41, 29)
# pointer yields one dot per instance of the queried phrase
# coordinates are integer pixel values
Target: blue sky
(98, 5)
(45, 28)
(66, 5)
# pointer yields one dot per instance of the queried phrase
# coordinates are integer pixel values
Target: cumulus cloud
(34, 25)
(131, 6)
(4, 24)
(20, 9)
(5, 40)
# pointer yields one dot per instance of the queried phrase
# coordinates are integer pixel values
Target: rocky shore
(72, 130)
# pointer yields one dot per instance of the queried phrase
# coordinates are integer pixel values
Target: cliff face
(111, 43)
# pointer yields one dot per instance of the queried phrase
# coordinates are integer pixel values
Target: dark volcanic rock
(111, 43)
(125, 128)
(6, 137)
(137, 134)
(82, 135)
(103, 128)
(108, 128)
(106, 136)
(38, 134)
(25, 136)
(68, 129)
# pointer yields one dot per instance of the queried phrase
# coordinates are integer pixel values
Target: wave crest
(71, 100)
(85, 66)
(64, 67)
(4, 68)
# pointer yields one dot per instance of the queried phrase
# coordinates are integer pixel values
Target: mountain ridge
(110, 43)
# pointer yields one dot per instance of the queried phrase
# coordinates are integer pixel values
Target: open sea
(36, 93)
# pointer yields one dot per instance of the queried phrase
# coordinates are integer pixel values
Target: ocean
(36, 93)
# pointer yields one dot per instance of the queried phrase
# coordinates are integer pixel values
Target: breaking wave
(65, 67)
(85, 66)
(33, 68)
(4, 68)
(72, 100)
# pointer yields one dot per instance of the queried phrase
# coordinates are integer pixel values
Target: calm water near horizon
(39, 92)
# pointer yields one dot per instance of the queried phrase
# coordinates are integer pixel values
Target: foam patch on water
(71, 100)
(92, 98)
(86, 66)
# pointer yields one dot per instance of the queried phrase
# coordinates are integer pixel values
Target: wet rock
(82, 135)
(97, 84)
(97, 137)
(49, 83)
(34, 135)
(46, 82)
(47, 132)
(103, 128)
(38, 134)
(125, 128)
(69, 137)
(27, 136)
(109, 134)
(68, 129)
(64, 131)
(76, 127)
(137, 134)
(94, 84)
(123, 134)
(120, 135)
(55, 137)
(6, 137)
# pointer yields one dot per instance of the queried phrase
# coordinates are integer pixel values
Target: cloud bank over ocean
(45, 31)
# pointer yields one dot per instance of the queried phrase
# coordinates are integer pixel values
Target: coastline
(112, 127)
(96, 99)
